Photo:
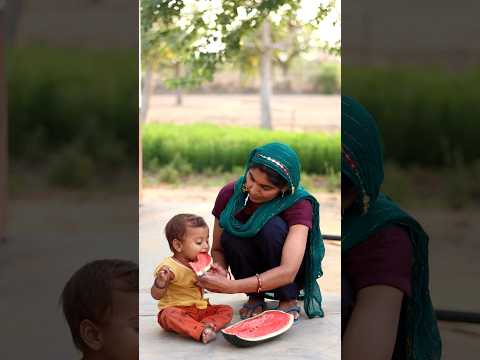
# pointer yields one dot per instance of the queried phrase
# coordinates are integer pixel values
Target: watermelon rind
(243, 341)
(204, 270)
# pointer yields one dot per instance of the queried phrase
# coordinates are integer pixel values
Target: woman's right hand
(218, 269)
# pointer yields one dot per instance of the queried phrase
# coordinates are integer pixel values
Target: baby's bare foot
(208, 334)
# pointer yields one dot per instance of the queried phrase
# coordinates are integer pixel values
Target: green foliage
(327, 80)
(207, 147)
(425, 116)
(202, 35)
(71, 168)
(81, 105)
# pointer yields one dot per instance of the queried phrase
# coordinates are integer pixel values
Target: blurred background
(415, 67)
(68, 157)
(213, 70)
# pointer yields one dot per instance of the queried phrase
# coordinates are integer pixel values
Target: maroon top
(298, 213)
(385, 258)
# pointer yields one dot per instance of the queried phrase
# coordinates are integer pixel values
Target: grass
(207, 148)
(426, 115)
(72, 111)
(312, 183)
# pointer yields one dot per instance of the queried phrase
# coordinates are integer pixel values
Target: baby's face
(195, 241)
(120, 333)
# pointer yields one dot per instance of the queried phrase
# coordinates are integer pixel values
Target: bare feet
(252, 307)
(208, 334)
(290, 307)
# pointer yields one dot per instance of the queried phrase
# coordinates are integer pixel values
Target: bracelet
(259, 285)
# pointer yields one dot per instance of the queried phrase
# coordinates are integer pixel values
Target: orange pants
(190, 321)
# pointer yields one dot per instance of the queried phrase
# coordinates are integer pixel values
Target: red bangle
(259, 286)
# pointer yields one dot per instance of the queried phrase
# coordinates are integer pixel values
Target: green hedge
(63, 99)
(209, 147)
(426, 116)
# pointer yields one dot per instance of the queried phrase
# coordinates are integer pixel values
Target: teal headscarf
(284, 161)
(362, 163)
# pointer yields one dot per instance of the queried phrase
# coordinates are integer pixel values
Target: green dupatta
(284, 161)
(362, 162)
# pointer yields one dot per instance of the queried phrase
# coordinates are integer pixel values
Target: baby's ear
(177, 245)
(91, 335)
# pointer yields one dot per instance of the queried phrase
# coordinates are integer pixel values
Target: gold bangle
(259, 285)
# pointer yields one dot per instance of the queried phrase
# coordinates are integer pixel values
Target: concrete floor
(317, 338)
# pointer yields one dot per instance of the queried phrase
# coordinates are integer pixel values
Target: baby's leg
(182, 320)
(217, 316)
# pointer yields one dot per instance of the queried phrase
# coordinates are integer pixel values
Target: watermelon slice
(258, 329)
(202, 265)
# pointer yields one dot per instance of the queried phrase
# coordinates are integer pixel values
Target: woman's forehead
(260, 177)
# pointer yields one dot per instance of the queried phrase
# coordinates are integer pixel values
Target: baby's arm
(162, 280)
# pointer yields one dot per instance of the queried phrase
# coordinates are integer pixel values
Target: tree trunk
(144, 105)
(146, 93)
(178, 92)
(3, 133)
(265, 76)
(287, 86)
(140, 165)
(14, 10)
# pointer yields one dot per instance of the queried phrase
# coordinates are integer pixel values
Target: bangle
(259, 285)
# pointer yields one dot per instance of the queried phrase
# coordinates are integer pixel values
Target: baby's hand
(164, 276)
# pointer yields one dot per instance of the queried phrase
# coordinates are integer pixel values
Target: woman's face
(349, 193)
(259, 188)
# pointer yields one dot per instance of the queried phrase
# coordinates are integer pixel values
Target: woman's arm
(217, 250)
(372, 329)
(292, 256)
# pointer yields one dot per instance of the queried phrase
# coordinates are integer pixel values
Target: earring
(283, 194)
(244, 188)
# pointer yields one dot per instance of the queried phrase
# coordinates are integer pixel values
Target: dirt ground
(289, 112)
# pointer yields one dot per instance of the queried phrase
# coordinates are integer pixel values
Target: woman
(386, 307)
(267, 232)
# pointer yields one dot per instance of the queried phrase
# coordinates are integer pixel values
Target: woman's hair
(347, 184)
(276, 179)
(347, 188)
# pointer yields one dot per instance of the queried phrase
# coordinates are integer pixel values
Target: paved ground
(309, 339)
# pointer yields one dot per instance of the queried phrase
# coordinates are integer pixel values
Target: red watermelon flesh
(260, 328)
(202, 265)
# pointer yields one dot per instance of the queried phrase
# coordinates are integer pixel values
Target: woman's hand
(213, 281)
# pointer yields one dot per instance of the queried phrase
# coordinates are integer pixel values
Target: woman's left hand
(213, 281)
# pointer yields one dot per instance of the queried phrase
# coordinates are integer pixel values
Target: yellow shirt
(181, 291)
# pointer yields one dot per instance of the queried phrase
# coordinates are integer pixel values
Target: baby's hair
(177, 226)
(88, 295)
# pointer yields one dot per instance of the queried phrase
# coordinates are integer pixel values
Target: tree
(3, 132)
(204, 34)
